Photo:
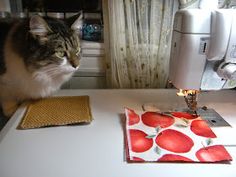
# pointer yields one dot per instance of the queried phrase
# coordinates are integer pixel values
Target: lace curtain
(138, 37)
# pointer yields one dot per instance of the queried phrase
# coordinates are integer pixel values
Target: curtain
(137, 38)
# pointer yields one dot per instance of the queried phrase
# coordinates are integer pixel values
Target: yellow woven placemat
(55, 111)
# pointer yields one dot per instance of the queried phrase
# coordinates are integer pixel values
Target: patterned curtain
(138, 37)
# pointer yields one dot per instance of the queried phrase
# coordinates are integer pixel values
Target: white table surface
(97, 149)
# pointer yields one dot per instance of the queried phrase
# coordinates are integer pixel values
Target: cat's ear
(78, 23)
(38, 26)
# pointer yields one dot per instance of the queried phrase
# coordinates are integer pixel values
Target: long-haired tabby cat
(37, 56)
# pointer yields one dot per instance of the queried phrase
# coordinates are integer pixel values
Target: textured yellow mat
(55, 111)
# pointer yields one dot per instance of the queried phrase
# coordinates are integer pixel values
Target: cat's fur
(37, 56)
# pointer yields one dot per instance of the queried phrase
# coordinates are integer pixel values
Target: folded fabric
(171, 137)
(55, 111)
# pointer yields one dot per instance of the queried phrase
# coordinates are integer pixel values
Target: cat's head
(53, 45)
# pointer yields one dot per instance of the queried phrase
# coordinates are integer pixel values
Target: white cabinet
(91, 74)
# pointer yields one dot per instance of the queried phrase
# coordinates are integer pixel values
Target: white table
(97, 149)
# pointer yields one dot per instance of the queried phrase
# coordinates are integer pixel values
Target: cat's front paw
(9, 108)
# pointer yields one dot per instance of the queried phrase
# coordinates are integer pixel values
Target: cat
(38, 55)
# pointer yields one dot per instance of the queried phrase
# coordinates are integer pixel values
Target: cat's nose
(74, 60)
(75, 64)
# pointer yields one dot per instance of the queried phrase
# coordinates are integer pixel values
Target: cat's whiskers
(54, 70)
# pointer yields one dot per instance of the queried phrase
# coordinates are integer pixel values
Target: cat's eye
(60, 54)
(78, 51)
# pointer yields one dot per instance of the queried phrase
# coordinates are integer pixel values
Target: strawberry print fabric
(171, 137)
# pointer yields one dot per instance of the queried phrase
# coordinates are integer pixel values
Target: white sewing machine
(203, 52)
